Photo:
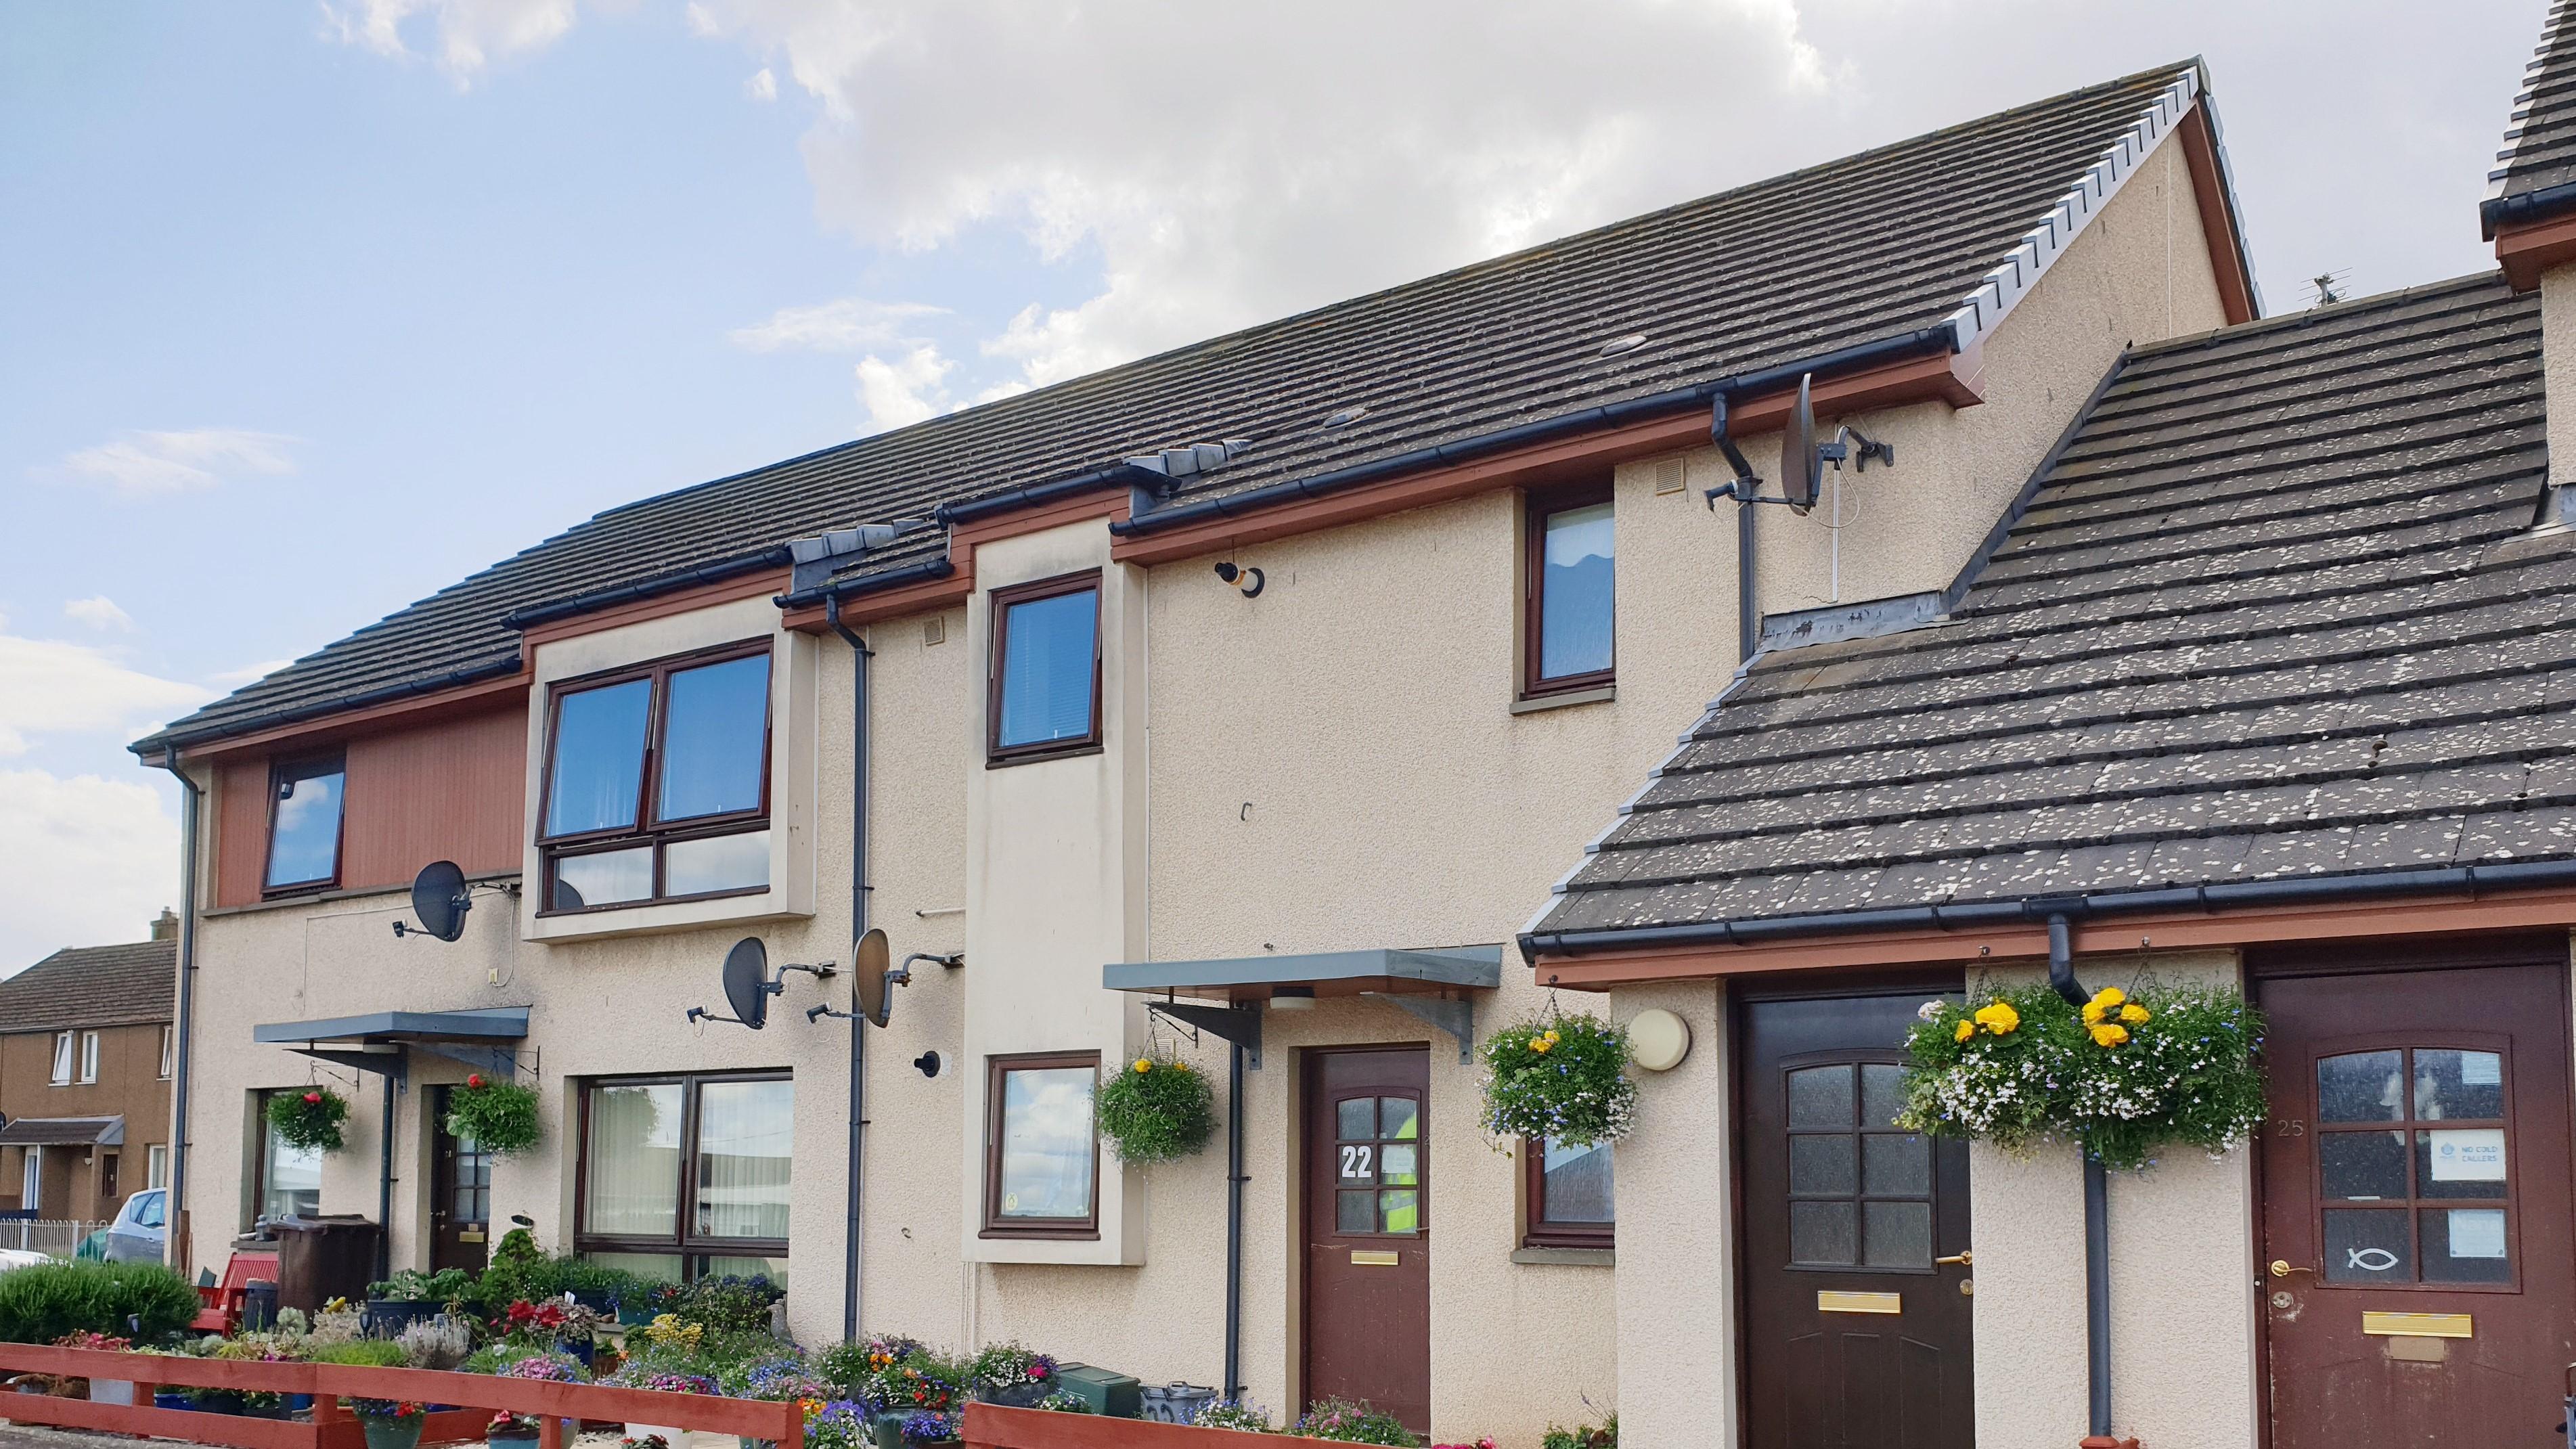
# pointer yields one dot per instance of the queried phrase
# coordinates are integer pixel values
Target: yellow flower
(1180, 1066)
(2110, 1034)
(1143, 1065)
(2093, 1012)
(1550, 1034)
(1540, 1045)
(1966, 1030)
(2109, 996)
(1999, 1018)
(2133, 1014)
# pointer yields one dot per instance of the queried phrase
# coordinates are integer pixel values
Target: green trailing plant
(310, 1120)
(1354, 1423)
(411, 1285)
(501, 1117)
(45, 1301)
(1564, 1078)
(1231, 1414)
(2123, 1076)
(1158, 1110)
(729, 1304)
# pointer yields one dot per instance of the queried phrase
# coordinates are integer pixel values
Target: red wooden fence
(478, 1395)
(989, 1426)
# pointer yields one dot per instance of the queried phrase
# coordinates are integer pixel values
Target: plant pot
(389, 1431)
(172, 1400)
(512, 1441)
(1014, 1396)
(887, 1430)
(596, 1300)
(277, 1410)
(584, 1349)
(676, 1438)
(633, 1315)
(388, 1317)
(213, 1402)
(111, 1391)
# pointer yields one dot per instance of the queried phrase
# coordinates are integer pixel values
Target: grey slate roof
(1871, 247)
(2271, 613)
(92, 986)
(2537, 170)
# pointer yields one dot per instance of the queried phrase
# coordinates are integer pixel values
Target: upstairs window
(169, 1052)
(304, 825)
(1569, 611)
(89, 1056)
(62, 1058)
(657, 782)
(1044, 689)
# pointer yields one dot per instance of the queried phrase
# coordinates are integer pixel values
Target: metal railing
(36, 1235)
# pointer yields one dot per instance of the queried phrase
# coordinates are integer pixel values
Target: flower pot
(1015, 1396)
(676, 1438)
(394, 1431)
(171, 1399)
(111, 1391)
(512, 1441)
(388, 1317)
(887, 1430)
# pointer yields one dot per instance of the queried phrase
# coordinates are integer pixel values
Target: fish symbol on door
(2370, 1260)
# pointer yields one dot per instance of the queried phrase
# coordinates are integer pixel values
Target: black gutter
(1942, 338)
(2468, 880)
(852, 1284)
(452, 679)
(2497, 212)
(936, 568)
(529, 615)
(184, 1027)
(1115, 475)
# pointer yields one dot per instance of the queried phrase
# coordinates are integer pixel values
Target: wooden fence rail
(475, 1397)
(989, 1426)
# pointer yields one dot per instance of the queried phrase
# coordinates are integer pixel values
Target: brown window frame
(1543, 1233)
(998, 606)
(1537, 508)
(107, 1173)
(303, 767)
(997, 1226)
(647, 832)
(684, 1244)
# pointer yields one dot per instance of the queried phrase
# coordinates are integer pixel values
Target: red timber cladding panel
(241, 829)
(454, 790)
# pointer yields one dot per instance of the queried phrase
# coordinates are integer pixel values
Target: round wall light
(1658, 1039)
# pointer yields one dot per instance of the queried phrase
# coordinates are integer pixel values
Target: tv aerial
(748, 984)
(871, 1000)
(440, 898)
(1803, 459)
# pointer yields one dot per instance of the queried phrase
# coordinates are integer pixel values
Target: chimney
(165, 926)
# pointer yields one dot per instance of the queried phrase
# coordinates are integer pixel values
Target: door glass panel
(1820, 1097)
(1358, 1119)
(1396, 1119)
(1821, 1164)
(1358, 1162)
(2360, 1087)
(1356, 1212)
(2363, 1166)
(2368, 1245)
(1822, 1233)
(1882, 1093)
(1395, 1164)
(2453, 1084)
(1399, 1212)
(1897, 1234)
(1893, 1166)
(2456, 1162)
(2466, 1245)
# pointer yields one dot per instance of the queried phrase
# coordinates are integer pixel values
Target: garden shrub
(365, 1352)
(1349, 1423)
(45, 1301)
(729, 1304)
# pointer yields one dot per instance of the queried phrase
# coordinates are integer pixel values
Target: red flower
(313, 1099)
(474, 1079)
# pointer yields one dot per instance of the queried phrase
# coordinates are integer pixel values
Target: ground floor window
(1570, 1202)
(31, 1180)
(156, 1166)
(286, 1180)
(685, 1177)
(1041, 1146)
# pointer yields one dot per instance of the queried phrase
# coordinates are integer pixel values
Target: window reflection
(1048, 649)
(714, 745)
(1575, 591)
(1045, 1167)
(304, 825)
(599, 758)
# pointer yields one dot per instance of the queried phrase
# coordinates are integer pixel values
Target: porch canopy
(1430, 983)
(63, 1132)
(485, 1038)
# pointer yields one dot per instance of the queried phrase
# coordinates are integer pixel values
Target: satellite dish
(869, 987)
(746, 982)
(1801, 470)
(439, 898)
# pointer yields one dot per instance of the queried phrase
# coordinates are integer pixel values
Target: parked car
(140, 1228)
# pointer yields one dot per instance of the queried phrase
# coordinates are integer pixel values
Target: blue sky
(307, 310)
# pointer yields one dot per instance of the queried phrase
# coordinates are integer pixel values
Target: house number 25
(1356, 1161)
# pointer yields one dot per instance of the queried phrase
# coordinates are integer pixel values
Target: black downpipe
(1234, 1180)
(185, 1026)
(385, 1185)
(2097, 1213)
(859, 655)
(1748, 617)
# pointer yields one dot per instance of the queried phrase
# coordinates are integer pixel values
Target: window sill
(644, 917)
(1567, 1257)
(1037, 757)
(1601, 694)
(1040, 1235)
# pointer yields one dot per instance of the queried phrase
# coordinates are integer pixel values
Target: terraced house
(1247, 700)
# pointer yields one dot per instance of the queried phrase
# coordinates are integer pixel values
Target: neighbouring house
(1242, 703)
(87, 1053)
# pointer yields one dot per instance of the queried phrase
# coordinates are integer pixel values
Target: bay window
(304, 800)
(686, 1176)
(1570, 1202)
(1041, 1147)
(657, 782)
(1043, 689)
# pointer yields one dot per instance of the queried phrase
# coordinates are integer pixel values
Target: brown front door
(460, 1195)
(2416, 1249)
(1855, 1335)
(1368, 1230)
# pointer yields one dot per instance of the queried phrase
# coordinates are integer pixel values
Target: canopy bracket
(1240, 1025)
(1456, 1017)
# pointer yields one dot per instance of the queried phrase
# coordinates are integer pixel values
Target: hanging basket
(1563, 1078)
(308, 1120)
(1157, 1110)
(501, 1117)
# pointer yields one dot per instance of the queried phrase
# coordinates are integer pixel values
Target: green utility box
(1113, 1395)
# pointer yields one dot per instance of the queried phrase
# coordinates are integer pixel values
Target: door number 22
(1357, 1162)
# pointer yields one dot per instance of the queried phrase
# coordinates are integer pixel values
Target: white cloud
(83, 861)
(469, 34)
(48, 686)
(142, 464)
(897, 393)
(99, 612)
(846, 324)
(763, 86)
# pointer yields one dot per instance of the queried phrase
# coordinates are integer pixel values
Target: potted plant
(1012, 1376)
(499, 1117)
(1158, 1110)
(780, 1381)
(925, 1428)
(1354, 1423)
(510, 1431)
(1563, 1078)
(390, 1423)
(310, 1119)
(841, 1424)
(411, 1296)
